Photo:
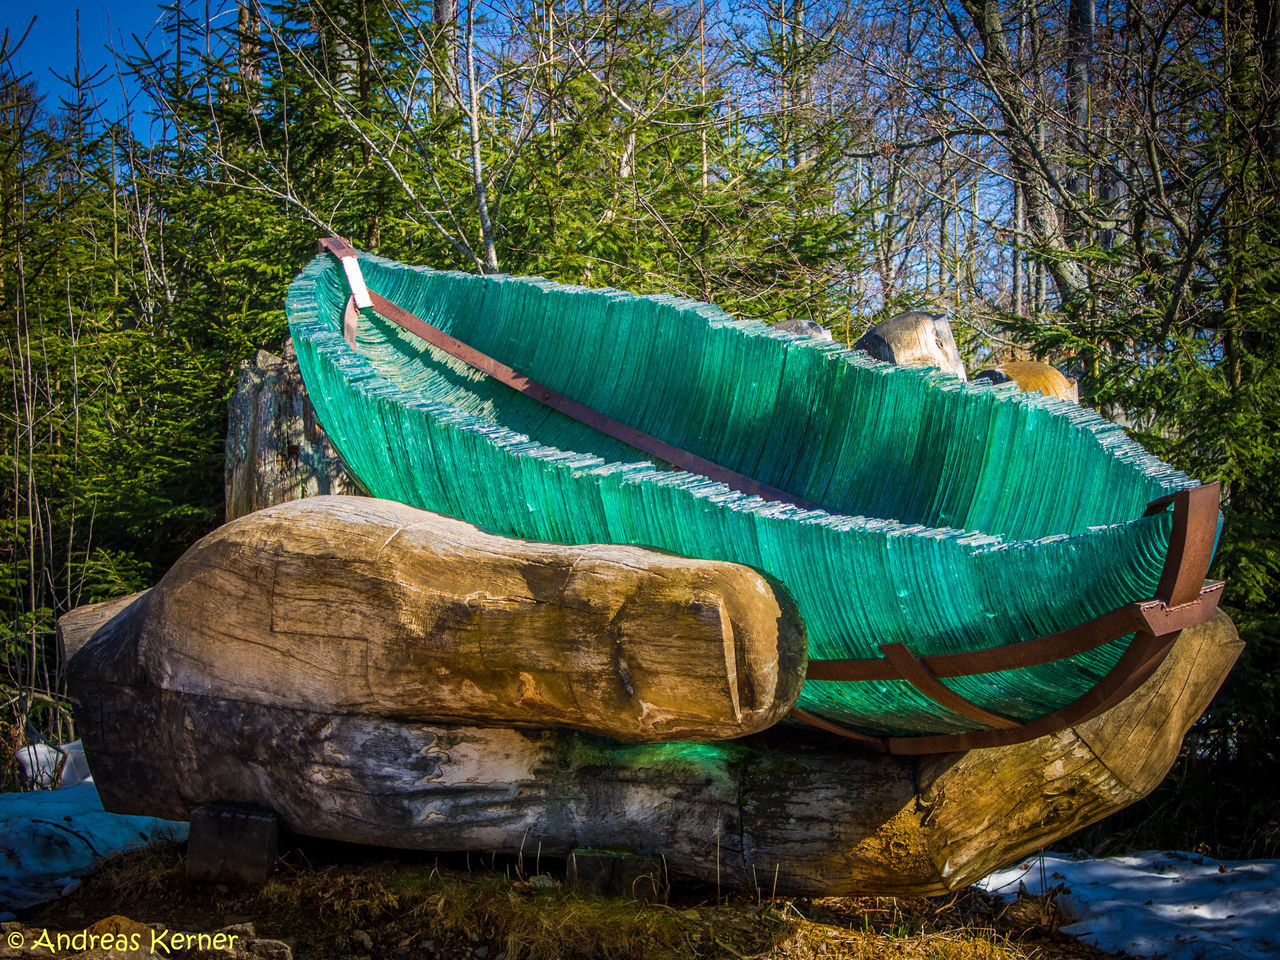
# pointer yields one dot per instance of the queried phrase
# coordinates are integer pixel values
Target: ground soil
(324, 901)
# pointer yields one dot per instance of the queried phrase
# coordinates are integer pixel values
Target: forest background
(1091, 182)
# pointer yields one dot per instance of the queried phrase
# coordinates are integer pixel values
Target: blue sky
(51, 44)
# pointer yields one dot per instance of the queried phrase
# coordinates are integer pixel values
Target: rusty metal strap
(1191, 542)
(1134, 667)
(545, 395)
(337, 246)
(923, 679)
(1195, 525)
(1153, 616)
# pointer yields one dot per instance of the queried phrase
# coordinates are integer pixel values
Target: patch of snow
(49, 838)
(1180, 906)
(77, 767)
(40, 762)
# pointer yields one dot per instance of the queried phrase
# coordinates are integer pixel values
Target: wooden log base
(772, 812)
(232, 845)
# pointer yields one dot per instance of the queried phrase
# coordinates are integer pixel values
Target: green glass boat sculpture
(974, 565)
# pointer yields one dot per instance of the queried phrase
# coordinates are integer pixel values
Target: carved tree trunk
(367, 607)
(276, 450)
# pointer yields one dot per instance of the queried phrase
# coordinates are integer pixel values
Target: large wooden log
(813, 816)
(363, 607)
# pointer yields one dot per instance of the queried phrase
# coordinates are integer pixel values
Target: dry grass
(404, 909)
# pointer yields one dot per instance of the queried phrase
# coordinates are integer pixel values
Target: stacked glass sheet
(956, 516)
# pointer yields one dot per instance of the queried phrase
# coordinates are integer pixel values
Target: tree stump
(276, 449)
(914, 339)
(1032, 375)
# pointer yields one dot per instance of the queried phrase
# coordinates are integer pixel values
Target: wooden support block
(231, 844)
(616, 873)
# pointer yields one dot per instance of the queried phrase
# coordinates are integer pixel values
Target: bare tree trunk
(888, 224)
(799, 85)
(445, 16)
(249, 22)
(477, 162)
(1017, 300)
(1027, 157)
(551, 70)
(1042, 288)
(1112, 192)
(942, 242)
(702, 91)
(346, 67)
(1080, 27)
